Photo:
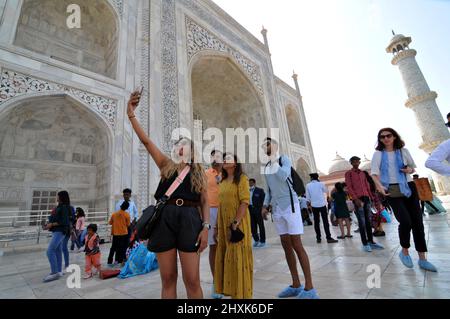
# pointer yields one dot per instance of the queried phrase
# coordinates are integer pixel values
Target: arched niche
(223, 97)
(294, 125)
(53, 143)
(303, 170)
(42, 28)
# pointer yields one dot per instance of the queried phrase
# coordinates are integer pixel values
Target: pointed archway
(223, 97)
(51, 143)
(294, 125)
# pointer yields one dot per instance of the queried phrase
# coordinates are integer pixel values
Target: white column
(422, 101)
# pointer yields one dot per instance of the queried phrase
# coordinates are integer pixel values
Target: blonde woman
(184, 224)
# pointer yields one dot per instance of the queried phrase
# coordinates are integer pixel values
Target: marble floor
(340, 271)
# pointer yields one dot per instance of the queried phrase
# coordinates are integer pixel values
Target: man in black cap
(316, 192)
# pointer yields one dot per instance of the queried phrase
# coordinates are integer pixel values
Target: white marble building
(63, 94)
(422, 101)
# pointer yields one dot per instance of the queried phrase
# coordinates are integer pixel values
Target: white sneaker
(215, 295)
(87, 276)
(51, 277)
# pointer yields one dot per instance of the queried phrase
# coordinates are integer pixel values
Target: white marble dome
(396, 41)
(339, 164)
(366, 164)
(397, 38)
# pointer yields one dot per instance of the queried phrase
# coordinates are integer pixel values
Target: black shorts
(178, 228)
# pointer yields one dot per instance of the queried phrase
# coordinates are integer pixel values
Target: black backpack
(295, 181)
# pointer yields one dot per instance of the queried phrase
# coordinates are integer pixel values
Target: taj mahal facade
(63, 94)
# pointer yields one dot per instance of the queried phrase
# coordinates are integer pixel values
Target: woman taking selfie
(180, 230)
(392, 166)
(233, 274)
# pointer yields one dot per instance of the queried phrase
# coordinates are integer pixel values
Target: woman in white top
(392, 166)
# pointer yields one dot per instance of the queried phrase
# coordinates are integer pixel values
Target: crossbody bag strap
(178, 181)
(289, 187)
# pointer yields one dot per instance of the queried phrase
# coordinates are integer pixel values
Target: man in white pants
(287, 219)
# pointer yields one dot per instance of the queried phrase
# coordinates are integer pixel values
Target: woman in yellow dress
(234, 261)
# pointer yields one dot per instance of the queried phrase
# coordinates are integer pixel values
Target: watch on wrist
(206, 225)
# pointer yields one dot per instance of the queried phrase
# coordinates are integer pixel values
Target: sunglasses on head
(382, 137)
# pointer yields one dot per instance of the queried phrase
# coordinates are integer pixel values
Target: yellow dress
(234, 262)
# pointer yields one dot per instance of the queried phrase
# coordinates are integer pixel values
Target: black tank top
(184, 191)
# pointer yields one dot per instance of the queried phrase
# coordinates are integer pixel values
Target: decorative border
(118, 5)
(200, 39)
(143, 114)
(421, 98)
(402, 55)
(169, 72)
(13, 84)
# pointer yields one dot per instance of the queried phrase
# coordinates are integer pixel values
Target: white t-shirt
(315, 194)
(407, 160)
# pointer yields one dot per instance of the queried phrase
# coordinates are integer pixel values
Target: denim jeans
(54, 252)
(82, 237)
(78, 241)
(65, 251)
(365, 225)
(74, 243)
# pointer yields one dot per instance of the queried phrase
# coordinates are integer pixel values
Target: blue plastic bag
(386, 216)
(140, 262)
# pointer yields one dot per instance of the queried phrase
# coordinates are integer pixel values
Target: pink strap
(178, 181)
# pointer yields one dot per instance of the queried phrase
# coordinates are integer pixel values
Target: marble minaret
(422, 101)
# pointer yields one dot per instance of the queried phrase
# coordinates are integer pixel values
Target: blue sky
(350, 88)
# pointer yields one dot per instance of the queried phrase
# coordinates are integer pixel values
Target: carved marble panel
(143, 185)
(12, 175)
(47, 176)
(118, 5)
(199, 39)
(169, 72)
(14, 84)
(11, 194)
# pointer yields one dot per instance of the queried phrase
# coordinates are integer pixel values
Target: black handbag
(146, 223)
(236, 235)
(150, 216)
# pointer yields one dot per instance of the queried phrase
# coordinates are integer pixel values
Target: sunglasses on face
(382, 137)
